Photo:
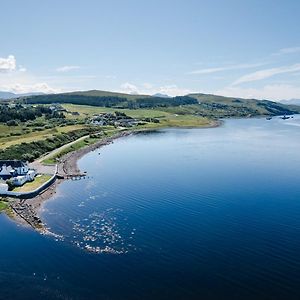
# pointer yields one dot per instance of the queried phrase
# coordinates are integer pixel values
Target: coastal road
(57, 150)
(50, 169)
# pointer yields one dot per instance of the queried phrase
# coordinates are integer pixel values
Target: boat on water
(269, 118)
(285, 118)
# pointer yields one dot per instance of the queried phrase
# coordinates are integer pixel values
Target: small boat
(285, 118)
(269, 118)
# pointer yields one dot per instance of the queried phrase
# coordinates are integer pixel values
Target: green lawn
(31, 186)
(88, 111)
(3, 205)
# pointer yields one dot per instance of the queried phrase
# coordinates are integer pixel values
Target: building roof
(13, 163)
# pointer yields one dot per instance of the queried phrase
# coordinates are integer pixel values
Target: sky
(248, 48)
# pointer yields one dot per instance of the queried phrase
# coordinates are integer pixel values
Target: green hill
(220, 106)
(197, 104)
(109, 99)
(97, 93)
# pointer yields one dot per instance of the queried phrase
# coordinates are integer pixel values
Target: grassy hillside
(97, 93)
(220, 106)
(167, 119)
(204, 105)
(108, 99)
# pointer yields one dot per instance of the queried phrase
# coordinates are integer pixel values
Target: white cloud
(225, 68)
(273, 92)
(7, 64)
(288, 50)
(267, 73)
(172, 90)
(29, 87)
(129, 88)
(150, 89)
(67, 68)
(18, 80)
(41, 87)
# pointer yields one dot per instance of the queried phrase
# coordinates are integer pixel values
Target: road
(50, 169)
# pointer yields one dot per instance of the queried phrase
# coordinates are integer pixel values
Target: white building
(21, 179)
(16, 171)
(9, 168)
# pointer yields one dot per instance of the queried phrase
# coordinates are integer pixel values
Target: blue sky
(228, 47)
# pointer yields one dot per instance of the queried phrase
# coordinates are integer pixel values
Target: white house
(21, 179)
(9, 168)
(16, 171)
(18, 180)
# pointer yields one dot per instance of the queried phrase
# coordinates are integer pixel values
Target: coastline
(68, 165)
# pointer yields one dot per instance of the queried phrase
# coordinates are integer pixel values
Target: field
(88, 111)
(167, 118)
(12, 135)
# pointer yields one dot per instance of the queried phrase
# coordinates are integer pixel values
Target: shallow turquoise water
(175, 214)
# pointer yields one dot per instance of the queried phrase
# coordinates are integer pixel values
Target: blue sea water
(174, 214)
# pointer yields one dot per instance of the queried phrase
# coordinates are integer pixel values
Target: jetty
(72, 176)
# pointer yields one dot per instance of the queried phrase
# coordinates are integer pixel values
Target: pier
(72, 176)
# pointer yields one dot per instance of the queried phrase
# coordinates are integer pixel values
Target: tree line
(33, 150)
(112, 101)
(19, 113)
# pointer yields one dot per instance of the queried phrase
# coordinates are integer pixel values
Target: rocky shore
(26, 212)
(68, 163)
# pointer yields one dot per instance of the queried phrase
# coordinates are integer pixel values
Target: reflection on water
(103, 231)
(100, 233)
(179, 214)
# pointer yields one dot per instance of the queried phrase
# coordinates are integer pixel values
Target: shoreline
(68, 164)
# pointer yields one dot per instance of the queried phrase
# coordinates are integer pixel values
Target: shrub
(12, 123)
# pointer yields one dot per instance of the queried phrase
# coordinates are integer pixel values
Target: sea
(206, 214)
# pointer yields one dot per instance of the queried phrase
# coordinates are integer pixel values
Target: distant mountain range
(9, 95)
(161, 95)
(291, 102)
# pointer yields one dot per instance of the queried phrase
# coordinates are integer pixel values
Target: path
(50, 169)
